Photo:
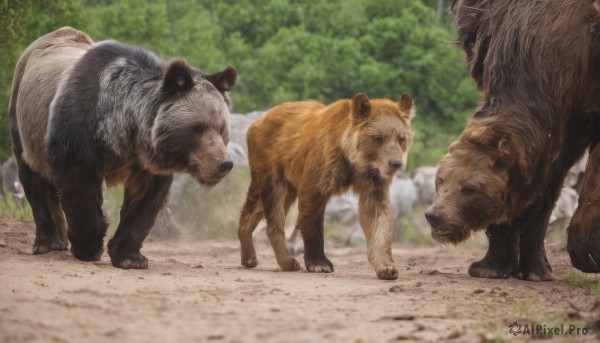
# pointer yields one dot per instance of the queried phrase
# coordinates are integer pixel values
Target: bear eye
(402, 140)
(377, 139)
(467, 190)
(199, 128)
(440, 181)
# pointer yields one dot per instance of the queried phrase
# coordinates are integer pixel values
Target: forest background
(284, 50)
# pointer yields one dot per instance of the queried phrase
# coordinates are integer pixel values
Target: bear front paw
(321, 265)
(387, 272)
(131, 261)
(47, 245)
(250, 262)
(289, 265)
(539, 271)
(481, 269)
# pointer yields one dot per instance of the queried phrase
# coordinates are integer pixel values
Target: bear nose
(433, 217)
(395, 163)
(225, 165)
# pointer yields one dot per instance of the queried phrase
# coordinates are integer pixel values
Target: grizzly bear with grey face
(82, 113)
(310, 151)
(537, 64)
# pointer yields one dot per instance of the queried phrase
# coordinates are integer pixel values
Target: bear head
(380, 135)
(190, 131)
(473, 182)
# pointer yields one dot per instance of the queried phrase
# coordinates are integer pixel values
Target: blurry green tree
(283, 49)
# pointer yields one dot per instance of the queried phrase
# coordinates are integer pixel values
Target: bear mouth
(208, 181)
(449, 235)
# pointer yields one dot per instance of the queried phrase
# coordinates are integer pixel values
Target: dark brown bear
(82, 113)
(310, 151)
(537, 64)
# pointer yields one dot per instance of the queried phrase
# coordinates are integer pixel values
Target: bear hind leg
(40, 194)
(502, 257)
(251, 215)
(275, 211)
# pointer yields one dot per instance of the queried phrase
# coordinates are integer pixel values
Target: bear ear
(178, 77)
(361, 106)
(223, 80)
(406, 103)
(504, 156)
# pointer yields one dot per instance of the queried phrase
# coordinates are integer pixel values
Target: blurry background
(284, 50)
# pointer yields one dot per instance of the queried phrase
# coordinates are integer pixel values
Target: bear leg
(252, 214)
(42, 197)
(80, 194)
(375, 218)
(145, 195)
(533, 263)
(583, 243)
(502, 257)
(275, 210)
(311, 208)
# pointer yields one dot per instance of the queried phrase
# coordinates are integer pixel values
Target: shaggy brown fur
(312, 151)
(537, 64)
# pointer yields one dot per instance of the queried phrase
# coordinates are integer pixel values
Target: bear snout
(395, 163)
(433, 217)
(225, 166)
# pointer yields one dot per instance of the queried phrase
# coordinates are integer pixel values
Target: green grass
(10, 209)
(524, 308)
(581, 280)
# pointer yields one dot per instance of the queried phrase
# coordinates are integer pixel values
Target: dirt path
(197, 292)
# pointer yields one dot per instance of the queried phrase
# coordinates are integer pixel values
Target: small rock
(419, 284)
(479, 291)
(198, 266)
(454, 334)
(396, 289)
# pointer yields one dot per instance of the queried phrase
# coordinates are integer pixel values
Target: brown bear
(310, 151)
(537, 64)
(82, 113)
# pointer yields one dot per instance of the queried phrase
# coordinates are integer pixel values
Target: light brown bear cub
(310, 151)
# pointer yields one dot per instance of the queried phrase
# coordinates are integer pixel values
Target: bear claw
(387, 273)
(250, 262)
(319, 268)
(47, 246)
(133, 261)
(290, 265)
(477, 269)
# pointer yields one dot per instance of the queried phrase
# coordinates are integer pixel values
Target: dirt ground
(197, 291)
